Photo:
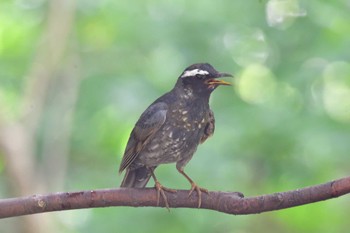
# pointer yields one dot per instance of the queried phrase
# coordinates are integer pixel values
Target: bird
(171, 128)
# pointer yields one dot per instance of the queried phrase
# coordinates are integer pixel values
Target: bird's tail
(136, 178)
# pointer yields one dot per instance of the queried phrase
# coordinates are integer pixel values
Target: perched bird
(171, 128)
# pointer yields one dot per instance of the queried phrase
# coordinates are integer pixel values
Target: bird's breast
(177, 139)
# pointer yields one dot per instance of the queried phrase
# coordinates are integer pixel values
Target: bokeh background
(76, 75)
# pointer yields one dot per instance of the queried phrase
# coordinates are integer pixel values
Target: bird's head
(201, 78)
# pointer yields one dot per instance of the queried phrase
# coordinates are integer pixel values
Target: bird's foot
(199, 191)
(238, 194)
(160, 191)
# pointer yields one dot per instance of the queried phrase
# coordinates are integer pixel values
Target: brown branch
(226, 202)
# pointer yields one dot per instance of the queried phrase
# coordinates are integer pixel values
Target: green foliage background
(284, 124)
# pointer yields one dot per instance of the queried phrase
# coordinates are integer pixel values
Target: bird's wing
(148, 124)
(209, 127)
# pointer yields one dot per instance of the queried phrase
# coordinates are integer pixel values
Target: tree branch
(226, 202)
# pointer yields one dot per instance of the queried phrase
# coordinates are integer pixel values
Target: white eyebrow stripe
(191, 73)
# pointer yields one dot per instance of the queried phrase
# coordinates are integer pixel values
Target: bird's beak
(217, 82)
(220, 75)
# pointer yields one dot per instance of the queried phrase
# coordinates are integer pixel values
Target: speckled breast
(177, 139)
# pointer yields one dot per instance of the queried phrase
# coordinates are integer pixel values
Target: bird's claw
(199, 191)
(160, 191)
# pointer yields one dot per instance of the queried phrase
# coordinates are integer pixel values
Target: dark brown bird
(171, 128)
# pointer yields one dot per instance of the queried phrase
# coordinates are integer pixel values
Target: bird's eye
(200, 76)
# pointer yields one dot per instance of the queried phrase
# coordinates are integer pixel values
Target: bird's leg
(160, 190)
(194, 186)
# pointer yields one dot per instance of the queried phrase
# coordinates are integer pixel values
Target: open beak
(218, 82)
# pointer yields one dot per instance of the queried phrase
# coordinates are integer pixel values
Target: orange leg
(194, 186)
(160, 190)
